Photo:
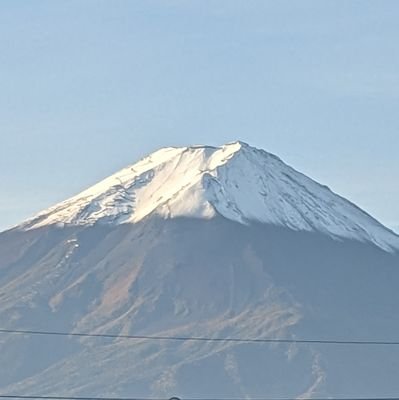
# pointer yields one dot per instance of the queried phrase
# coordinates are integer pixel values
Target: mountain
(208, 242)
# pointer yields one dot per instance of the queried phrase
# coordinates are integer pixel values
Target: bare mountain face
(205, 242)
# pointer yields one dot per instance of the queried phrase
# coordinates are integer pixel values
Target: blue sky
(87, 87)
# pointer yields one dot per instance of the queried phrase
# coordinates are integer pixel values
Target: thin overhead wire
(5, 396)
(32, 397)
(203, 339)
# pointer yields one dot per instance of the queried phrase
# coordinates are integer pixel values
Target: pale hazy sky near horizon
(87, 87)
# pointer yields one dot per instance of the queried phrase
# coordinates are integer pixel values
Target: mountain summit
(236, 181)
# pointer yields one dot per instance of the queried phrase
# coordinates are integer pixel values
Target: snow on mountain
(237, 181)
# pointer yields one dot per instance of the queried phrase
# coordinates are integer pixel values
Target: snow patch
(237, 181)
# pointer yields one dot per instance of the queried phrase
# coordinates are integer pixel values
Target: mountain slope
(192, 277)
(236, 181)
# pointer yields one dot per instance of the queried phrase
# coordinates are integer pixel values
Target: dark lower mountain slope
(192, 277)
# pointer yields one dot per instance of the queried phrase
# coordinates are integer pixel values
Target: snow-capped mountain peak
(235, 180)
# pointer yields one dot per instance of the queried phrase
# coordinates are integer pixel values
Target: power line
(202, 339)
(5, 396)
(32, 397)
